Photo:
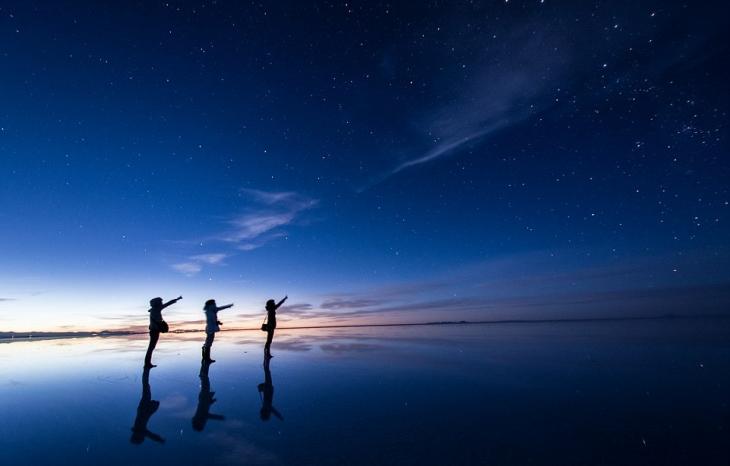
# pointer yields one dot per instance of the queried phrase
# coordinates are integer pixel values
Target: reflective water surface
(654, 392)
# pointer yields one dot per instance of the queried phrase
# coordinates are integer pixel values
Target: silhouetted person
(266, 390)
(157, 326)
(271, 307)
(212, 326)
(146, 408)
(205, 399)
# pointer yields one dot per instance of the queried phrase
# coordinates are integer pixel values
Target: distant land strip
(9, 337)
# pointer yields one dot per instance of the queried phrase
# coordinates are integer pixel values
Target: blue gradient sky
(377, 162)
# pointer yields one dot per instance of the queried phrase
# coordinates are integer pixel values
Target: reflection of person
(205, 399)
(157, 325)
(212, 326)
(266, 391)
(146, 408)
(271, 307)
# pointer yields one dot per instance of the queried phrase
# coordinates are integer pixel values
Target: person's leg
(154, 336)
(208, 344)
(269, 338)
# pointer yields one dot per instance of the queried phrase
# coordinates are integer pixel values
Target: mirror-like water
(655, 392)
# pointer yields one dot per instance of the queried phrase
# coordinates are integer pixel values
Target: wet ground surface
(654, 392)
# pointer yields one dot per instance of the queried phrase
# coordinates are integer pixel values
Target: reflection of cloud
(292, 345)
(285, 342)
(236, 448)
(349, 347)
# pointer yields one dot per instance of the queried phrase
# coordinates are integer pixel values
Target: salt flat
(652, 392)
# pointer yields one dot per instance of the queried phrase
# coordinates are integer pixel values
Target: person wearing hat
(157, 326)
(271, 307)
(212, 326)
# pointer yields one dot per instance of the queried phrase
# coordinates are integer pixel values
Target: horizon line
(9, 337)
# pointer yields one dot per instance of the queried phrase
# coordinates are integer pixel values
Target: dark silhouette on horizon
(157, 326)
(270, 325)
(146, 408)
(206, 398)
(266, 391)
(212, 325)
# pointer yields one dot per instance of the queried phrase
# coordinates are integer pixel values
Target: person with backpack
(157, 326)
(270, 326)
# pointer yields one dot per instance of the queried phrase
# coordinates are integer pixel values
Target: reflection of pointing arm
(155, 437)
(277, 413)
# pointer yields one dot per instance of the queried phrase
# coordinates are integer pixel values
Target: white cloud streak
(211, 259)
(515, 83)
(268, 212)
(194, 264)
(261, 223)
(188, 268)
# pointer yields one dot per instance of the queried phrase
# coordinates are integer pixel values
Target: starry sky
(377, 162)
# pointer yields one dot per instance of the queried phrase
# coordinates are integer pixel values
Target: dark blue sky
(376, 161)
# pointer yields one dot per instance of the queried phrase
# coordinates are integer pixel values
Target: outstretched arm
(225, 307)
(281, 302)
(171, 302)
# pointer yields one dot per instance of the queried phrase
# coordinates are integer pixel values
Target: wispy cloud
(511, 84)
(360, 303)
(195, 263)
(262, 221)
(188, 268)
(274, 197)
(543, 285)
(212, 259)
(634, 302)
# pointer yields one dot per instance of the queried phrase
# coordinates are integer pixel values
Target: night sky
(378, 162)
